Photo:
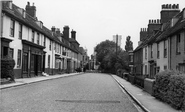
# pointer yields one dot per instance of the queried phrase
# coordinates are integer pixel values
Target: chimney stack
(153, 26)
(53, 29)
(66, 32)
(168, 12)
(31, 10)
(73, 34)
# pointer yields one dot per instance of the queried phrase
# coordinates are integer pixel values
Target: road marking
(87, 101)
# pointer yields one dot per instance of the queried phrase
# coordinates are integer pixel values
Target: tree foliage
(109, 61)
(129, 44)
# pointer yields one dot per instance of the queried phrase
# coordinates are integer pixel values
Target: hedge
(7, 65)
(170, 87)
(176, 91)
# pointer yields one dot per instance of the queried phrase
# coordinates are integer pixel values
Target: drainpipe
(52, 57)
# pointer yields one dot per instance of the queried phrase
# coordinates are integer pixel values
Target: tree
(109, 61)
(129, 44)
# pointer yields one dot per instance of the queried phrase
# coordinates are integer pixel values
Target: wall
(176, 59)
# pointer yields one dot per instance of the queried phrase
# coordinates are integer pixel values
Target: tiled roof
(168, 30)
(178, 26)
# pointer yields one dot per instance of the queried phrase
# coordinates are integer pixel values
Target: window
(12, 26)
(182, 67)
(158, 69)
(145, 69)
(48, 61)
(145, 52)
(178, 44)
(165, 49)
(33, 36)
(165, 67)
(50, 45)
(131, 58)
(38, 38)
(4, 51)
(19, 58)
(20, 31)
(44, 41)
(151, 51)
(11, 51)
(158, 52)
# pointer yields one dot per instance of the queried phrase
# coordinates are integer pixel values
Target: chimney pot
(149, 21)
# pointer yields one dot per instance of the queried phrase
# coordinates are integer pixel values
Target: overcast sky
(98, 20)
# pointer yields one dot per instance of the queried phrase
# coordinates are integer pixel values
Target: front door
(25, 65)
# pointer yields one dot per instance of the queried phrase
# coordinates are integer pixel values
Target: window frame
(20, 31)
(178, 39)
(38, 38)
(33, 36)
(12, 28)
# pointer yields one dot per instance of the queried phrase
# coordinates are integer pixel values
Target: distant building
(118, 39)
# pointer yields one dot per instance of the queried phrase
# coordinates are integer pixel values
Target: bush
(170, 87)
(176, 91)
(7, 65)
(161, 85)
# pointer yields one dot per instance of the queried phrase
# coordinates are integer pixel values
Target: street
(88, 92)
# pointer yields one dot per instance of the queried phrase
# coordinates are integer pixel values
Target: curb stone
(26, 83)
(138, 103)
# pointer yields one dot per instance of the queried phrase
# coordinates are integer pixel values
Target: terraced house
(163, 43)
(34, 47)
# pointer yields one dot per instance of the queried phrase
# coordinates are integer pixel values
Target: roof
(29, 21)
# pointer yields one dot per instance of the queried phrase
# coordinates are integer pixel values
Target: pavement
(146, 101)
(24, 81)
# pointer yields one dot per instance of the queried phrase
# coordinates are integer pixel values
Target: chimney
(153, 26)
(58, 31)
(66, 32)
(53, 29)
(143, 34)
(168, 12)
(31, 10)
(10, 4)
(73, 34)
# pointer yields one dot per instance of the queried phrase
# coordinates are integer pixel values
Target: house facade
(164, 44)
(34, 47)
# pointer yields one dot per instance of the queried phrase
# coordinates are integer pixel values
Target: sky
(98, 20)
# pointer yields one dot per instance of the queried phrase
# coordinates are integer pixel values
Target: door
(25, 65)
